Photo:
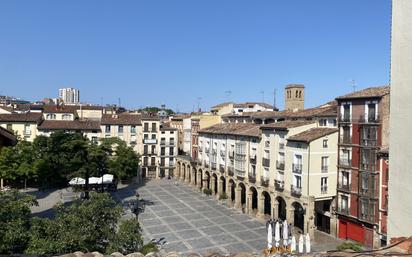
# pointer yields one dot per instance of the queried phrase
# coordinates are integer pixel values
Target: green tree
(86, 225)
(128, 238)
(8, 164)
(14, 221)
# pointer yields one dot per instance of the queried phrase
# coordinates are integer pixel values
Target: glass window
(325, 143)
(120, 129)
(133, 129)
(107, 129)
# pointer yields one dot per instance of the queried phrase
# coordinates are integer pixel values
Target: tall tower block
(294, 97)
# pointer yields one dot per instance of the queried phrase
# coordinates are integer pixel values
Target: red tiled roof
(312, 134)
(69, 125)
(282, 125)
(371, 92)
(240, 129)
(121, 119)
(22, 117)
(8, 135)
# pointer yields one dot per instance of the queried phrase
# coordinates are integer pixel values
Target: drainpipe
(308, 167)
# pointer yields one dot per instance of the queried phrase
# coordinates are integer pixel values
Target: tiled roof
(287, 124)
(8, 134)
(7, 108)
(69, 125)
(247, 104)
(312, 134)
(121, 119)
(221, 105)
(21, 117)
(152, 117)
(239, 129)
(371, 92)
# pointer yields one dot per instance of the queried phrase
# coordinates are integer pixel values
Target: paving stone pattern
(192, 222)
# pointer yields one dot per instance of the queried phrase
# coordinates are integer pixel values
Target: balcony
(149, 141)
(346, 139)
(230, 170)
(345, 162)
(369, 119)
(344, 186)
(343, 210)
(345, 118)
(213, 165)
(150, 153)
(222, 153)
(206, 164)
(240, 157)
(324, 190)
(207, 149)
(279, 185)
(240, 174)
(265, 162)
(222, 168)
(252, 159)
(214, 151)
(324, 169)
(296, 190)
(231, 154)
(367, 218)
(371, 167)
(280, 165)
(252, 178)
(297, 168)
(200, 149)
(369, 142)
(281, 146)
(264, 182)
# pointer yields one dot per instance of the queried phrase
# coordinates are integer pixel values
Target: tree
(128, 238)
(14, 221)
(86, 225)
(8, 164)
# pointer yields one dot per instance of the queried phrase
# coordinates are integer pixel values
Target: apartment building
(140, 131)
(238, 108)
(281, 170)
(363, 131)
(177, 123)
(69, 95)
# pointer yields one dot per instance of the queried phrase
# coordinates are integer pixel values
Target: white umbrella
(301, 244)
(277, 233)
(293, 244)
(77, 181)
(285, 233)
(107, 178)
(269, 236)
(307, 243)
(95, 180)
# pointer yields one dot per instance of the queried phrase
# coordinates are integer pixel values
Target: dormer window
(50, 116)
(66, 117)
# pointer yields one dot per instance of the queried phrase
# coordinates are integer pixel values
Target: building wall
(400, 191)
(19, 129)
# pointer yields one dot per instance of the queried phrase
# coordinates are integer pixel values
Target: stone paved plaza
(192, 222)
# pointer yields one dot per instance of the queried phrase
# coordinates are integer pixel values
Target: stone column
(261, 207)
(249, 209)
(219, 188)
(187, 177)
(229, 194)
(275, 210)
(212, 184)
(192, 177)
(290, 215)
(238, 198)
(199, 180)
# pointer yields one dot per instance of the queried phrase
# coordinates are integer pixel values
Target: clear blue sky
(149, 52)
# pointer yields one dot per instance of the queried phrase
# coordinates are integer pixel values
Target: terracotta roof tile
(312, 134)
(69, 125)
(282, 125)
(121, 119)
(21, 117)
(370, 92)
(8, 134)
(239, 129)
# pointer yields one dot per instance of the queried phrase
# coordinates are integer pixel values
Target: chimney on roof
(294, 97)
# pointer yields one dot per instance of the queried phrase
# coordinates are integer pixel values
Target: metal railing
(343, 210)
(324, 168)
(280, 165)
(369, 118)
(296, 190)
(252, 159)
(230, 171)
(222, 168)
(252, 178)
(207, 149)
(231, 154)
(222, 153)
(279, 185)
(297, 167)
(324, 190)
(213, 165)
(344, 187)
(345, 139)
(346, 162)
(266, 162)
(281, 146)
(264, 181)
(240, 173)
